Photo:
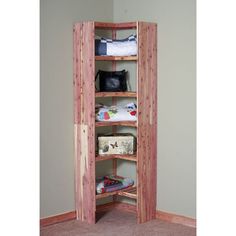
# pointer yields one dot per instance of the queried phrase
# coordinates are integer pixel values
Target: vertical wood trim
(147, 121)
(84, 92)
(76, 70)
(114, 128)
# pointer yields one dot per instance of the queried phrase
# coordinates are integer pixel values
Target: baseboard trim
(105, 207)
(58, 218)
(178, 219)
(172, 218)
(125, 207)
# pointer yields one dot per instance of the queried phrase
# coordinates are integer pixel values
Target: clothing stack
(110, 183)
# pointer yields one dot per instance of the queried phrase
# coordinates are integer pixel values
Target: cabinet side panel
(76, 70)
(147, 121)
(84, 96)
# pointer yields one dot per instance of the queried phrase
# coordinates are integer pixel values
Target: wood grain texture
(57, 218)
(115, 26)
(116, 58)
(105, 207)
(117, 123)
(84, 72)
(130, 193)
(117, 205)
(114, 128)
(116, 156)
(125, 207)
(116, 94)
(161, 215)
(178, 219)
(103, 195)
(84, 116)
(147, 121)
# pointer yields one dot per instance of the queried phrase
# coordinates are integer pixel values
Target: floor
(120, 223)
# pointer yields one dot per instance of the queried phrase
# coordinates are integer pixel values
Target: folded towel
(112, 183)
(116, 47)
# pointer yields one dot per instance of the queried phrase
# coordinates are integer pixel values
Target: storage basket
(119, 143)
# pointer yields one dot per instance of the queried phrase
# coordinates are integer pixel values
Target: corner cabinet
(145, 158)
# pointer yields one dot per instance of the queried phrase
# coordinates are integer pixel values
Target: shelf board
(122, 192)
(116, 156)
(115, 94)
(116, 123)
(116, 58)
(115, 26)
(130, 193)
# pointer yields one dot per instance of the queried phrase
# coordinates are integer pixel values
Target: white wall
(176, 97)
(176, 178)
(57, 158)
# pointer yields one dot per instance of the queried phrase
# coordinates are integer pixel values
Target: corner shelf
(85, 125)
(116, 123)
(116, 156)
(116, 94)
(130, 192)
(116, 58)
(115, 26)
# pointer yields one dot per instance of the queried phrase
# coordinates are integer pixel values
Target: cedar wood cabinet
(84, 118)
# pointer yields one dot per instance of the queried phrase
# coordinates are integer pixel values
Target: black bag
(112, 81)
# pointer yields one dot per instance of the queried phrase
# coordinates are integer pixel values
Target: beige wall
(57, 160)
(176, 179)
(176, 97)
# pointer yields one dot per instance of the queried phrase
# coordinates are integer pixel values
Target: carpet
(116, 222)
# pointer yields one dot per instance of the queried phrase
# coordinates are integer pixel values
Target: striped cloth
(116, 47)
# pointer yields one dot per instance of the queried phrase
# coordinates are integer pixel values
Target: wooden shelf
(116, 123)
(122, 192)
(116, 58)
(116, 94)
(115, 26)
(85, 63)
(130, 193)
(116, 156)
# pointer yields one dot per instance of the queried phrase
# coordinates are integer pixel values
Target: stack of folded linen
(110, 183)
(116, 47)
(116, 113)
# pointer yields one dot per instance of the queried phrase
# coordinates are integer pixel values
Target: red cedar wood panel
(57, 218)
(103, 195)
(84, 121)
(116, 58)
(147, 121)
(129, 157)
(114, 102)
(112, 123)
(116, 94)
(115, 26)
(178, 219)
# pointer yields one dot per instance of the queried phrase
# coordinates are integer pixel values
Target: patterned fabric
(117, 47)
(110, 183)
(117, 113)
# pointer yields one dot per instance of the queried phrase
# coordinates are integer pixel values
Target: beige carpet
(120, 223)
